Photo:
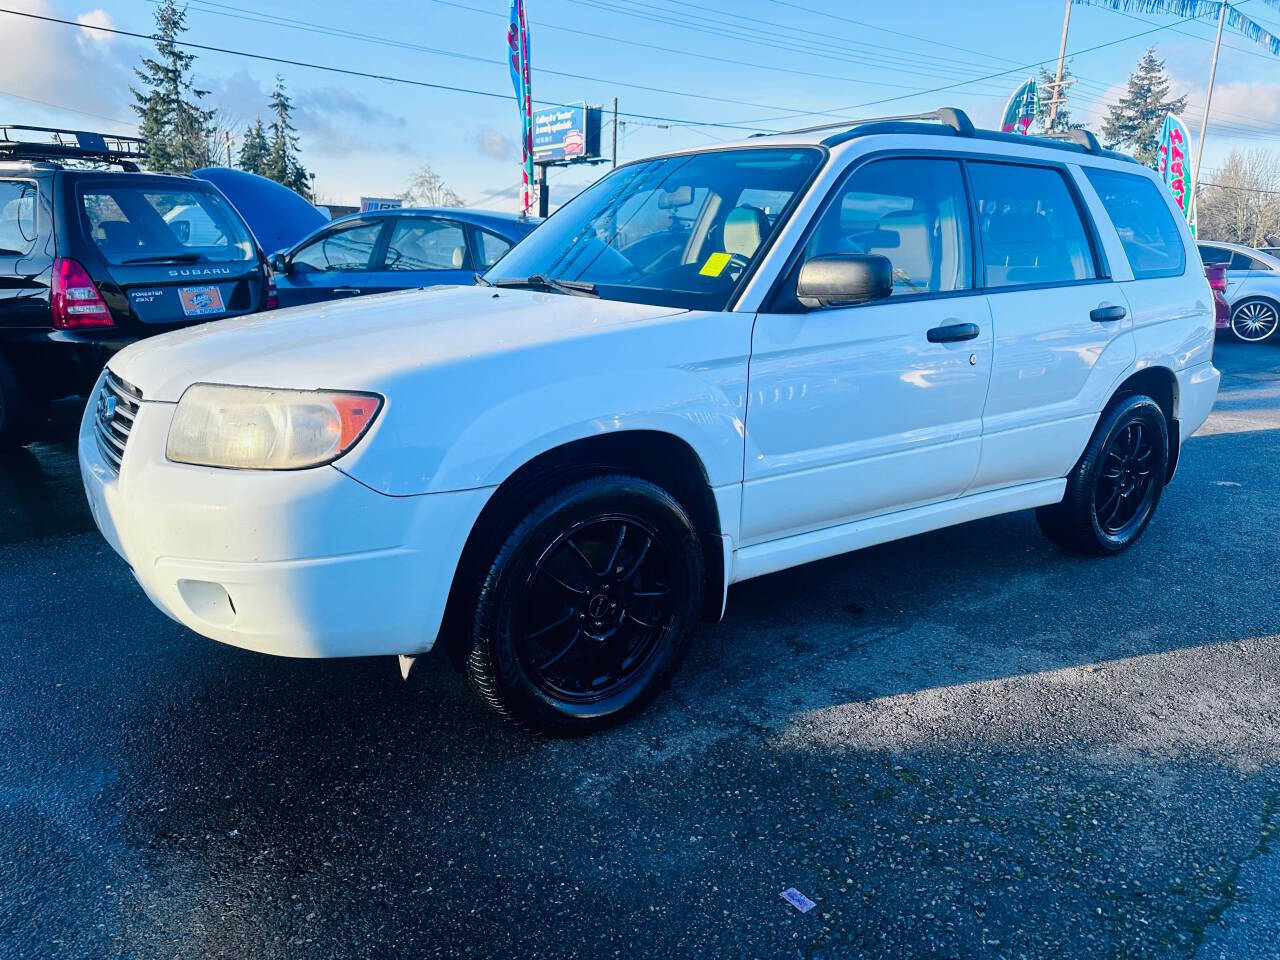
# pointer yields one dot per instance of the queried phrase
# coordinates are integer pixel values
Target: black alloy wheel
(588, 607)
(1113, 490)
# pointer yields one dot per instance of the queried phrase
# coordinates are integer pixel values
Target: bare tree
(1240, 202)
(428, 189)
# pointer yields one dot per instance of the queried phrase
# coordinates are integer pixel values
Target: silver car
(1253, 288)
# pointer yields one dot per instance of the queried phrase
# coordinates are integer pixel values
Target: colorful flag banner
(1173, 162)
(1021, 109)
(1200, 10)
(521, 80)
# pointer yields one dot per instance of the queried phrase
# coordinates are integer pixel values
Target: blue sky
(734, 62)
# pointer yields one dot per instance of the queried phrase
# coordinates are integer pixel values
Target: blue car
(394, 250)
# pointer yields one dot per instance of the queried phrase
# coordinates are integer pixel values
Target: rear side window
(492, 248)
(913, 212)
(1215, 255)
(1031, 228)
(145, 223)
(1240, 261)
(1150, 238)
(17, 217)
(420, 244)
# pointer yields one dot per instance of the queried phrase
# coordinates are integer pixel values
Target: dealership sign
(380, 203)
(566, 134)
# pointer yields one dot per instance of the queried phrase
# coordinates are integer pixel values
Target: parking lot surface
(964, 744)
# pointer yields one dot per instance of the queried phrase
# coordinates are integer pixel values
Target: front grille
(117, 408)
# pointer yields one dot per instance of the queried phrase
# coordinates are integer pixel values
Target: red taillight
(272, 301)
(1217, 273)
(76, 302)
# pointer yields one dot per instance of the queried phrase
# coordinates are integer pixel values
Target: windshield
(147, 223)
(674, 231)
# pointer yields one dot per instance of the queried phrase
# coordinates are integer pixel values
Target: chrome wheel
(1254, 320)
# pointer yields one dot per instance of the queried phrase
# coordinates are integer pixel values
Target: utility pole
(1062, 56)
(228, 134)
(615, 131)
(1208, 98)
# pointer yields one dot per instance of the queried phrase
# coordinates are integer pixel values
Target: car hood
(363, 343)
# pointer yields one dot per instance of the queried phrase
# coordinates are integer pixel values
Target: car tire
(587, 608)
(1113, 491)
(19, 416)
(1254, 319)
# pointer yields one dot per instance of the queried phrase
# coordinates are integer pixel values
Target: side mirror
(278, 263)
(844, 280)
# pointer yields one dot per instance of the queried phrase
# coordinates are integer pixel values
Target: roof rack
(952, 117)
(52, 143)
(1080, 137)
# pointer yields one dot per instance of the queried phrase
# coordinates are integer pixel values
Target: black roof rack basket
(21, 142)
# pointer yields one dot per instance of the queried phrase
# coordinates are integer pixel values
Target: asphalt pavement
(966, 744)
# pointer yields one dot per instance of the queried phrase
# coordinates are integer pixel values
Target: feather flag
(521, 80)
(1021, 109)
(1173, 163)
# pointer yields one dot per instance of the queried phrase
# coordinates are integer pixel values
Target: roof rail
(1079, 136)
(952, 117)
(52, 143)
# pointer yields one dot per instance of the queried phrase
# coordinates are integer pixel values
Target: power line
(353, 73)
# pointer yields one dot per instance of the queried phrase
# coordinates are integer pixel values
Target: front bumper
(306, 563)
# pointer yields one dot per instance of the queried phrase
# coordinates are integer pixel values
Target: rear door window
(421, 244)
(17, 217)
(1031, 227)
(492, 248)
(1151, 240)
(347, 249)
(143, 223)
(1242, 261)
(1214, 254)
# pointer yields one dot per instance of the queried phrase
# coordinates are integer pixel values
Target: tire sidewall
(1133, 408)
(500, 600)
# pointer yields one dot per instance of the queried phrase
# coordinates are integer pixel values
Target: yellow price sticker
(715, 265)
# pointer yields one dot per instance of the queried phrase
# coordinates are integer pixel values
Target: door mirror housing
(278, 263)
(844, 280)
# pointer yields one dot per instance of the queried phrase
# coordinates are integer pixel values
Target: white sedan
(1253, 288)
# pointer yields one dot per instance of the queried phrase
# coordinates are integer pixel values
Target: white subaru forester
(706, 367)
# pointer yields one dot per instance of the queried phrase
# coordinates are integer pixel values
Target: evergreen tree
(282, 163)
(1136, 120)
(254, 149)
(177, 130)
(1045, 87)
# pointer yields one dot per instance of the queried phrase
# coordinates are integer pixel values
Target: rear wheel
(588, 607)
(1254, 320)
(1113, 491)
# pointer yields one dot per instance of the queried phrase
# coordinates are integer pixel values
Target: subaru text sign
(566, 134)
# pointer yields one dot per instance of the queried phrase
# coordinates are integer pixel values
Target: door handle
(953, 333)
(347, 291)
(1107, 314)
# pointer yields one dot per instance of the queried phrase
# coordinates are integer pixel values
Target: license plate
(198, 301)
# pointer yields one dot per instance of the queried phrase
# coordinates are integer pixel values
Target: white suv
(707, 367)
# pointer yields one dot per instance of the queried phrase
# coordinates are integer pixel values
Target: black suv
(93, 258)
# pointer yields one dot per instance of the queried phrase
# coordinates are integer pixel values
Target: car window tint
(1214, 254)
(17, 217)
(1030, 226)
(912, 211)
(492, 248)
(1151, 239)
(342, 250)
(1242, 261)
(420, 244)
(130, 222)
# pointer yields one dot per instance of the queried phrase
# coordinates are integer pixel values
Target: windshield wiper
(165, 258)
(575, 288)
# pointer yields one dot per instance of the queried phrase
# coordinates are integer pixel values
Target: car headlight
(260, 429)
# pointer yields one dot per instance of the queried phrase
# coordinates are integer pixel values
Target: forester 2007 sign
(566, 134)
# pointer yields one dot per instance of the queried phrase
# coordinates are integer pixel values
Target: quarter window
(420, 244)
(913, 212)
(492, 248)
(17, 217)
(1241, 261)
(339, 251)
(1030, 225)
(1151, 239)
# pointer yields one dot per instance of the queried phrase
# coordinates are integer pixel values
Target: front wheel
(1254, 320)
(1113, 491)
(588, 607)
